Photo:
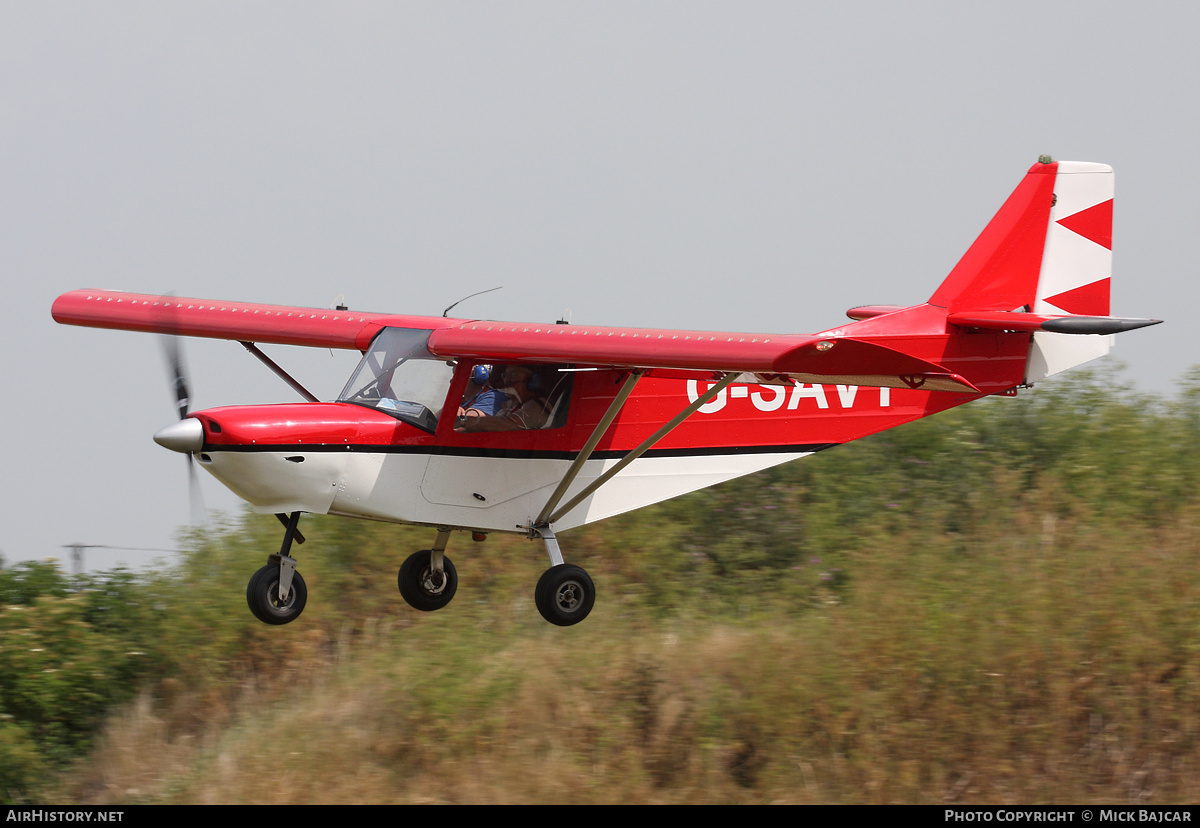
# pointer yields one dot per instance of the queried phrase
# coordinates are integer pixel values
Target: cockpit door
(477, 467)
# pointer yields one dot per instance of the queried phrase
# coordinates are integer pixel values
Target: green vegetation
(998, 604)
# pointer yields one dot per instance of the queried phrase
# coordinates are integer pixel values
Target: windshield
(399, 376)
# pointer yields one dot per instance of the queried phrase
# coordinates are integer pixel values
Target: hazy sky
(744, 166)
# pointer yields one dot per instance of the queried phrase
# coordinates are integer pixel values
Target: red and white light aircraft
(537, 428)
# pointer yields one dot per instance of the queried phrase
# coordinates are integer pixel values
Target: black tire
(416, 582)
(262, 595)
(565, 595)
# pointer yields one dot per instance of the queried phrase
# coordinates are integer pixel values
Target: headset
(481, 374)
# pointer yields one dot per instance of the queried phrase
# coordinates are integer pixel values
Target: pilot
(524, 408)
(484, 400)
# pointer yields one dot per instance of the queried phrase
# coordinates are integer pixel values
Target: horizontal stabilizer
(871, 311)
(1031, 322)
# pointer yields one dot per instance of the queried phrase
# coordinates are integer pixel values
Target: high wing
(771, 357)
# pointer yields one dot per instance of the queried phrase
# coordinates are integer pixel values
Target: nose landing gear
(276, 593)
(264, 590)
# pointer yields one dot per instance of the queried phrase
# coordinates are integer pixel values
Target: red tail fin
(1000, 270)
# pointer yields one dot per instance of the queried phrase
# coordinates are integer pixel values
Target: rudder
(1076, 270)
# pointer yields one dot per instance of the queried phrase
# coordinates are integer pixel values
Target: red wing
(624, 347)
(801, 356)
(242, 321)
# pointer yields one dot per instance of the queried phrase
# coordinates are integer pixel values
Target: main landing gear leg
(427, 579)
(565, 593)
(276, 593)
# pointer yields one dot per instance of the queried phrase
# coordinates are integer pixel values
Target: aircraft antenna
(465, 298)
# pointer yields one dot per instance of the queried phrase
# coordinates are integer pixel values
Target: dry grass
(1049, 665)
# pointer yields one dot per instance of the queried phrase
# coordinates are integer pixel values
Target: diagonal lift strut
(614, 408)
(550, 514)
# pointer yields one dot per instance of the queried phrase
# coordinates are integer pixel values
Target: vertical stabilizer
(999, 272)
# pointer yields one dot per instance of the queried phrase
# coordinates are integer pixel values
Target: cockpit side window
(516, 397)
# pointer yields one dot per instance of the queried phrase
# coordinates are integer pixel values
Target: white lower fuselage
(492, 494)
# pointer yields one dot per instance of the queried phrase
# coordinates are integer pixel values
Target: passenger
(525, 407)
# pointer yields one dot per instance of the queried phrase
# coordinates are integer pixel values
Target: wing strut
(614, 408)
(279, 372)
(633, 454)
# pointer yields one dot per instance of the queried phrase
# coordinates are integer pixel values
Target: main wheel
(421, 586)
(565, 595)
(262, 595)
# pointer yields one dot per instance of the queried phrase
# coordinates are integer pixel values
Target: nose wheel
(262, 594)
(276, 593)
